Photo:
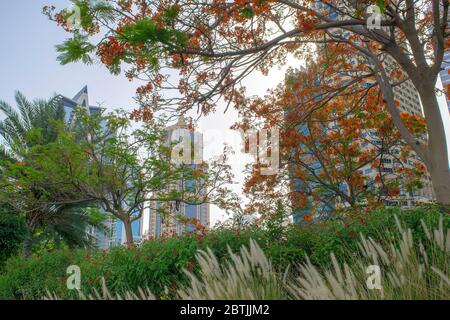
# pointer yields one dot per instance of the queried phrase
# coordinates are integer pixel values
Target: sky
(28, 64)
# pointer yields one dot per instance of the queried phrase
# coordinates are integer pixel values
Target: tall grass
(247, 276)
(410, 269)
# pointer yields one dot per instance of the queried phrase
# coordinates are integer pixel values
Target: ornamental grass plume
(106, 295)
(410, 269)
(248, 276)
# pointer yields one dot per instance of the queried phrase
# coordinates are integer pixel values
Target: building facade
(159, 219)
(114, 233)
(410, 102)
(445, 75)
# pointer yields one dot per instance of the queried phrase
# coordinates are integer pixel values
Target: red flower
(199, 236)
(190, 265)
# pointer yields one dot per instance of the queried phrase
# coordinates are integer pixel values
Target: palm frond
(71, 223)
(5, 155)
(25, 108)
(37, 115)
(12, 117)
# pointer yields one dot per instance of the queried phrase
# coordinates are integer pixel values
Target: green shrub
(339, 235)
(158, 265)
(155, 264)
(408, 271)
(12, 233)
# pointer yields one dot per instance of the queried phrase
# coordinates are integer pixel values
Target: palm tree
(28, 125)
(26, 119)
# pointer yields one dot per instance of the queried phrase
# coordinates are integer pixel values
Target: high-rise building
(81, 99)
(409, 101)
(445, 70)
(296, 185)
(160, 218)
(445, 75)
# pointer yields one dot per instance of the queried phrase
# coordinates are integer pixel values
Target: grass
(411, 268)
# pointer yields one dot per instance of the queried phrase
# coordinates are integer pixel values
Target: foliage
(338, 235)
(123, 170)
(214, 46)
(410, 269)
(12, 233)
(158, 264)
(51, 210)
(28, 124)
(332, 157)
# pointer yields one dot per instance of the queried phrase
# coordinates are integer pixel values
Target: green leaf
(247, 12)
(75, 49)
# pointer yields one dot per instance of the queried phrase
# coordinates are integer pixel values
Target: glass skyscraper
(81, 99)
(445, 75)
(160, 218)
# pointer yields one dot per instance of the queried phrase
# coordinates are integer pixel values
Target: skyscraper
(445, 72)
(445, 75)
(409, 100)
(160, 218)
(81, 99)
(296, 185)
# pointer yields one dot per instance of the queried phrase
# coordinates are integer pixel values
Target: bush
(156, 264)
(410, 269)
(339, 235)
(12, 233)
(159, 265)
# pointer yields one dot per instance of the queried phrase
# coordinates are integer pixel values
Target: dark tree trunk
(128, 231)
(28, 246)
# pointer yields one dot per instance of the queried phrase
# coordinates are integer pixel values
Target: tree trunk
(440, 176)
(28, 246)
(27, 250)
(128, 231)
(437, 161)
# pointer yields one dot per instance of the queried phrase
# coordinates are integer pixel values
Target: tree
(27, 125)
(123, 170)
(215, 45)
(46, 208)
(325, 151)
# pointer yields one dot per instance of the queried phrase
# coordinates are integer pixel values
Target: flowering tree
(214, 45)
(327, 152)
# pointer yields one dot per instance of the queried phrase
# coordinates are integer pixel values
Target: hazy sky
(28, 63)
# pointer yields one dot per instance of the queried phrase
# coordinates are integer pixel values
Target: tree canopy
(214, 45)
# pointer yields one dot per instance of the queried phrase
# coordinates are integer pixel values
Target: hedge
(158, 264)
